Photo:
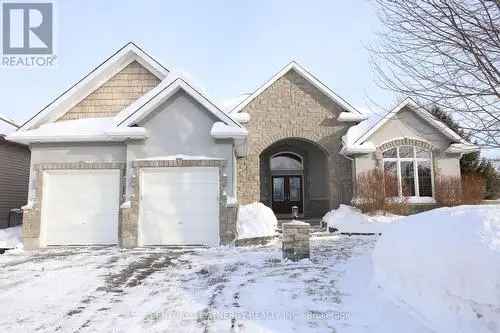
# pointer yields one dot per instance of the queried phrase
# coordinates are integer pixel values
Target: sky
(226, 47)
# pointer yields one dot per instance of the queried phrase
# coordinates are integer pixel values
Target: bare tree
(444, 53)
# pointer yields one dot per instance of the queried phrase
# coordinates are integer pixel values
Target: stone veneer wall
(114, 95)
(293, 108)
(130, 215)
(32, 213)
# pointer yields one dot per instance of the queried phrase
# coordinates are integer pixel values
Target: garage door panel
(195, 175)
(80, 207)
(179, 206)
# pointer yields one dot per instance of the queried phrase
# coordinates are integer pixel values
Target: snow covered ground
(448, 271)
(203, 290)
(10, 238)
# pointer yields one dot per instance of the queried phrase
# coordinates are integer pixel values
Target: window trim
(415, 161)
(284, 153)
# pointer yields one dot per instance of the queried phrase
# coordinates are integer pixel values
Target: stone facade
(295, 244)
(117, 93)
(32, 212)
(227, 215)
(293, 108)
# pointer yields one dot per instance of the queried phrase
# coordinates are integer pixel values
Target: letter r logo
(27, 28)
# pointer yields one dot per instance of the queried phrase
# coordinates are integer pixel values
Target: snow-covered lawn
(10, 238)
(203, 290)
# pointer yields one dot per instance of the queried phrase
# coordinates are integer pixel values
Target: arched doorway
(294, 172)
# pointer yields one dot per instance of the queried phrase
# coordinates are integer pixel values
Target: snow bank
(11, 238)
(348, 219)
(445, 265)
(256, 220)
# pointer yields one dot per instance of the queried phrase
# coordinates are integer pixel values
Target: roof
(119, 128)
(307, 76)
(356, 140)
(363, 132)
(139, 109)
(94, 79)
(7, 125)
(80, 130)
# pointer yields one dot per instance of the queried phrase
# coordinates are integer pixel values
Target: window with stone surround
(408, 171)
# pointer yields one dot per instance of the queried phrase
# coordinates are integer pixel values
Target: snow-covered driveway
(202, 290)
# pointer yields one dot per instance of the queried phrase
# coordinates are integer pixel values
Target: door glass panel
(278, 189)
(424, 179)
(295, 188)
(407, 178)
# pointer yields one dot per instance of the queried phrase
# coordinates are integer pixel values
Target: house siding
(14, 175)
(182, 126)
(114, 95)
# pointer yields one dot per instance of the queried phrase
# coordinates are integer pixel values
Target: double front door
(287, 192)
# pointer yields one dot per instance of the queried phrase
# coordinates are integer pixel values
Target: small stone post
(295, 240)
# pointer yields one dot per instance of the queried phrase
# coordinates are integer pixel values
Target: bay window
(408, 172)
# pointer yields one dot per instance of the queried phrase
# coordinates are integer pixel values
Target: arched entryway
(294, 172)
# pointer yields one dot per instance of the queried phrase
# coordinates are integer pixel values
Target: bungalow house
(134, 154)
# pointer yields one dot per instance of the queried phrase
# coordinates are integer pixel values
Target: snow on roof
(80, 130)
(347, 117)
(355, 141)
(307, 76)
(7, 125)
(355, 132)
(102, 73)
(9, 121)
(458, 148)
(222, 131)
(363, 135)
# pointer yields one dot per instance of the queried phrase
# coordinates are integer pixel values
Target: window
(278, 189)
(286, 161)
(408, 172)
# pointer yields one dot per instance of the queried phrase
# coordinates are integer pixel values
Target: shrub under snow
(348, 219)
(256, 220)
(444, 265)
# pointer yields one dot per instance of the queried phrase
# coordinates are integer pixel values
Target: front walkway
(202, 290)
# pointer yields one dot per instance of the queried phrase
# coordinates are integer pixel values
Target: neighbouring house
(14, 174)
(136, 155)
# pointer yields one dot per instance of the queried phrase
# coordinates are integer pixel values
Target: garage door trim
(32, 213)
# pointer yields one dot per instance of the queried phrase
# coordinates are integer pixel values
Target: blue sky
(226, 47)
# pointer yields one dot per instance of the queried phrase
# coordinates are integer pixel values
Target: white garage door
(179, 206)
(80, 207)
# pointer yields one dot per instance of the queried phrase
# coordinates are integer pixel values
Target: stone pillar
(295, 240)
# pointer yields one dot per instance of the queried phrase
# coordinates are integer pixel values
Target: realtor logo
(27, 29)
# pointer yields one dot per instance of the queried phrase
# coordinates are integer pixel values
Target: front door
(287, 192)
